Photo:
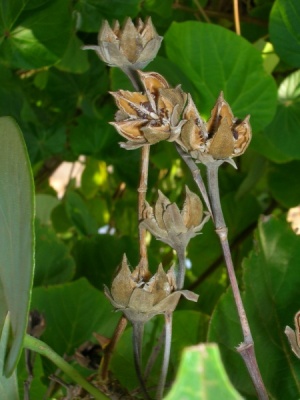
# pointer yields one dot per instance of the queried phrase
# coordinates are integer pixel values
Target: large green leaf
(16, 235)
(271, 298)
(37, 36)
(283, 132)
(284, 30)
(54, 263)
(201, 376)
(216, 59)
(73, 311)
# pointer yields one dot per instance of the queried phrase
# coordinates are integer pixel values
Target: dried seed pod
(140, 301)
(133, 46)
(152, 116)
(172, 226)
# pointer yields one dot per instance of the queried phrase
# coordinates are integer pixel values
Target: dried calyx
(140, 300)
(170, 225)
(152, 116)
(134, 46)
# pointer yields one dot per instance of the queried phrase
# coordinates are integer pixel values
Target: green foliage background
(58, 94)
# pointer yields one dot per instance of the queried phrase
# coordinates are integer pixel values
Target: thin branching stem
(154, 354)
(246, 349)
(196, 175)
(108, 351)
(181, 268)
(137, 341)
(166, 360)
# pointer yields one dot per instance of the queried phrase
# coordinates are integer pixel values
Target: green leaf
(92, 12)
(271, 282)
(54, 263)
(37, 37)
(216, 59)
(75, 59)
(8, 386)
(79, 214)
(201, 376)
(284, 30)
(16, 235)
(45, 203)
(283, 181)
(103, 254)
(73, 311)
(283, 131)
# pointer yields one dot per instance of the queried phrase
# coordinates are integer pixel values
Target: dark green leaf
(284, 30)
(73, 311)
(54, 264)
(284, 183)
(92, 12)
(35, 38)
(16, 235)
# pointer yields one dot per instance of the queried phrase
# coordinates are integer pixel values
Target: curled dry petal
(152, 116)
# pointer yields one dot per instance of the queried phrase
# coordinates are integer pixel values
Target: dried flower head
(172, 226)
(141, 300)
(152, 116)
(133, 46)
(223, 137)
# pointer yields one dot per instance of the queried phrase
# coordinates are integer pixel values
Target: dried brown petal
(122, 286)
(173, 220)
(131, 129)
(243, 132)
(159, 209)
(131, 103)
(192, 211)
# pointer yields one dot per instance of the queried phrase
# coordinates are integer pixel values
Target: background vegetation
(58, 94)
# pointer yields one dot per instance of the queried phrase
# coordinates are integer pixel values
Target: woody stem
(108, 351)
(165, 365)
(246, 349)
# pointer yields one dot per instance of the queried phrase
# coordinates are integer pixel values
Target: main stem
(36, 345)
(246, 349)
